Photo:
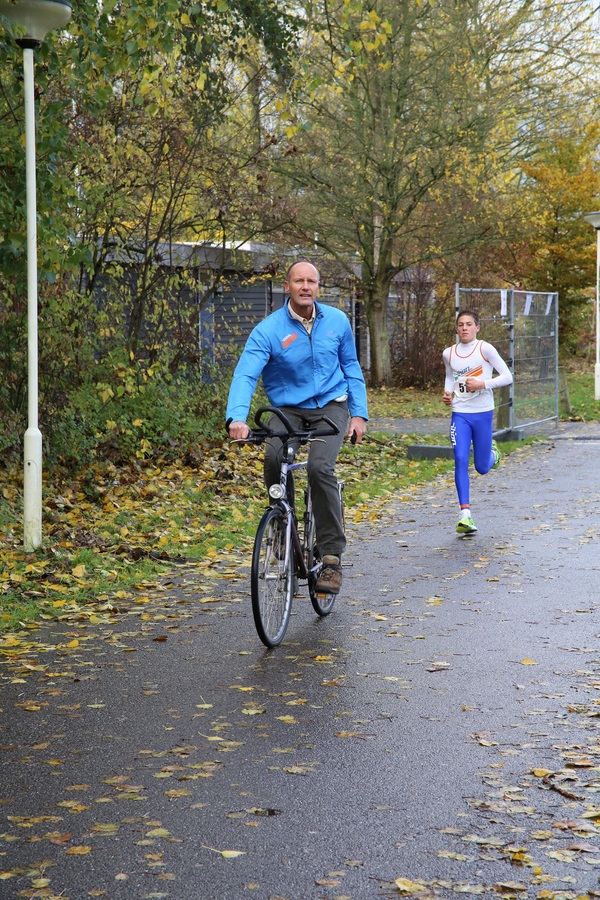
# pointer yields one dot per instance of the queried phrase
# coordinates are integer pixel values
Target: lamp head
(37, 17)
(594, 219)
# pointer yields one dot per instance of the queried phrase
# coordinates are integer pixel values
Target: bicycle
(286, 552)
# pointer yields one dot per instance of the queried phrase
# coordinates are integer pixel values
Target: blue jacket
(298, 369)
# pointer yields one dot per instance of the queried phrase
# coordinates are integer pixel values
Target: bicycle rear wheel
(272, 578)
(322, 603)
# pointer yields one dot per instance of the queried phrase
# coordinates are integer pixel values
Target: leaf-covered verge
(103, 549)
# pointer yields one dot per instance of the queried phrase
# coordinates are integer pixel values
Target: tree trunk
(377, 320)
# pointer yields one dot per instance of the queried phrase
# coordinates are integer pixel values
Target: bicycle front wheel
(272, 578)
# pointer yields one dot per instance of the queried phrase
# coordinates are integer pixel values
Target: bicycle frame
(293, 541)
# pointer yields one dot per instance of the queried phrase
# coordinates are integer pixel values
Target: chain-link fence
(523, 327)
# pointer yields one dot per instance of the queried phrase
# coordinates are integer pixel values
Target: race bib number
(460, 388)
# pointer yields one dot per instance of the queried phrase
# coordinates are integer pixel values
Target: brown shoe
(330, 576)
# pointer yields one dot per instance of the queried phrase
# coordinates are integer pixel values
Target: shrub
(133, 412)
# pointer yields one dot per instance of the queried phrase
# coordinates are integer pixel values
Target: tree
(136, 147)
(558, 253)
(160, 160)
(412, 119)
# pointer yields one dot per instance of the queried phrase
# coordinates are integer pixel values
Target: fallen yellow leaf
(226, 854)
(406, 886)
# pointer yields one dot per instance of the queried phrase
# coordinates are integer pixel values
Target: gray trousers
(322, 457)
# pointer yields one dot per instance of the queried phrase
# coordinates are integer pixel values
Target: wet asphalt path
(440, 727)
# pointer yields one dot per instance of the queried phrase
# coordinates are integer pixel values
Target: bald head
(301, 262)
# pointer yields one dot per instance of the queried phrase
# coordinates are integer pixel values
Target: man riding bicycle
(306, 355)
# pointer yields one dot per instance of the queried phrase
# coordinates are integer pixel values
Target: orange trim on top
(289, 340)
(475, 372)
(471, 352)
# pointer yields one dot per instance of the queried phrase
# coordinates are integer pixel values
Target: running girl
(468, 390)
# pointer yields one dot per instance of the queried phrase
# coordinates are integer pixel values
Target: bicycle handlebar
(289, 429)
(263, 431)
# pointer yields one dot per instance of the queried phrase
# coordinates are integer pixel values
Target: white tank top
(473, 363)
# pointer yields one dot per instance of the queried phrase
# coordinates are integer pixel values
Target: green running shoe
(466, 525)
(497, 454)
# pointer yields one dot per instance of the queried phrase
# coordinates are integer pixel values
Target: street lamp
(35, 18)
(594, 219)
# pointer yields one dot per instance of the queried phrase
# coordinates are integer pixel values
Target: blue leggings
(467, 428)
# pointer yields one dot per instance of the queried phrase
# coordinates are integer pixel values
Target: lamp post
(594, 219)
(35, 18)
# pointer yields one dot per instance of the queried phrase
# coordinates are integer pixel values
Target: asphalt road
(437, 734)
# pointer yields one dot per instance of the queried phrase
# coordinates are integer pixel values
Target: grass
(142, 521)
(405, 403)
(410, 403)
(581, 394)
